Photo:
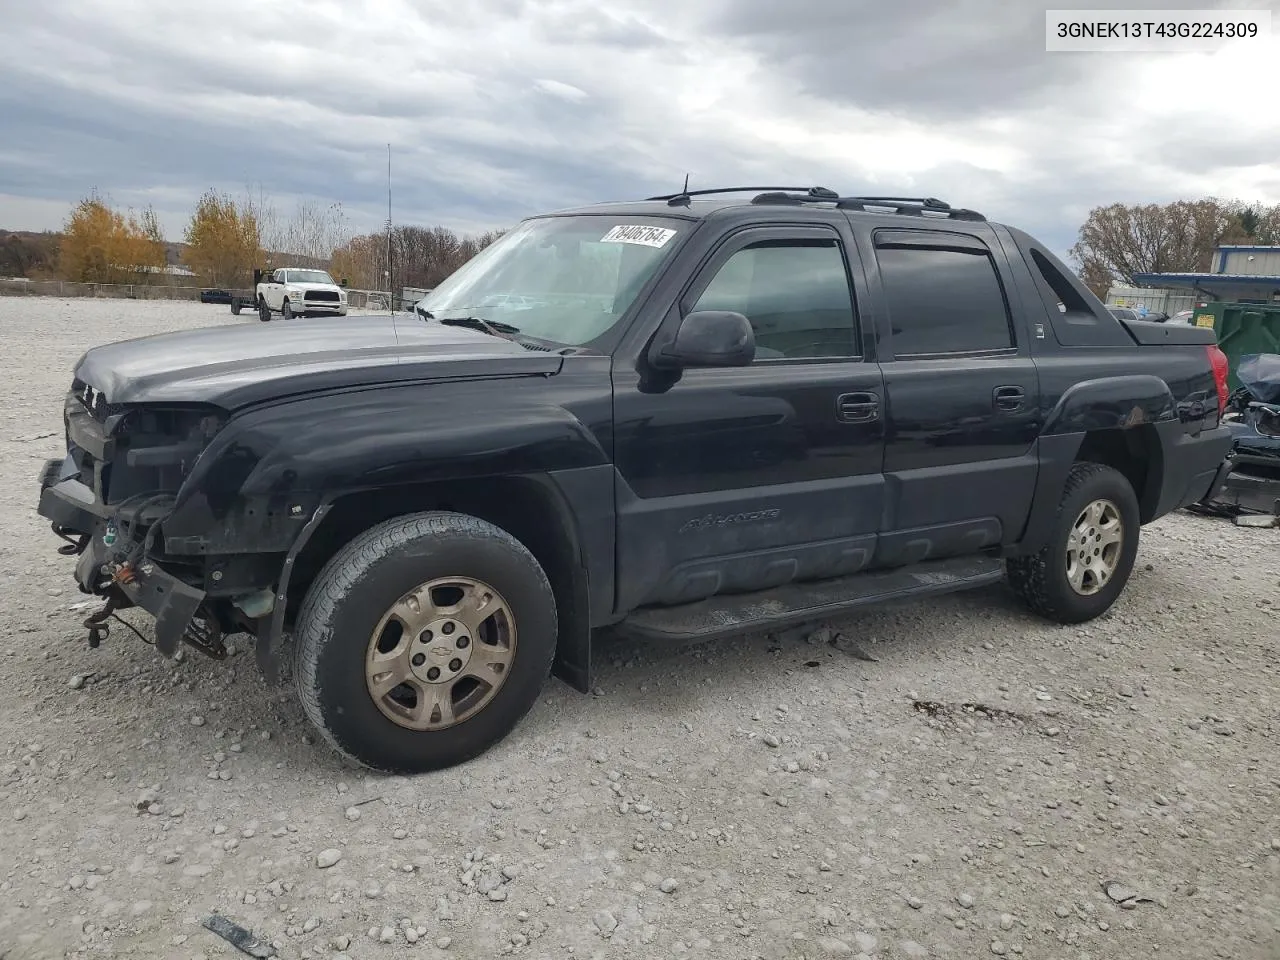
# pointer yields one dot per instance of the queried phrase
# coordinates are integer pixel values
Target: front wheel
(424, 641)
(1085, 565)
(286, 311)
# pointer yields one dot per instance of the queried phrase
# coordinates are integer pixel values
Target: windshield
(308, 276)
(563, 279)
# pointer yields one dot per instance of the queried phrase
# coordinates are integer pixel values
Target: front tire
(286, 311)
(424, 641)
(1083, 568)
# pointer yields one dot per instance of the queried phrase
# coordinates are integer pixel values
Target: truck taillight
(1218, 360)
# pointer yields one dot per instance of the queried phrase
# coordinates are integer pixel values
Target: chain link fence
(124, 291)
(375, 300)
(18, 287)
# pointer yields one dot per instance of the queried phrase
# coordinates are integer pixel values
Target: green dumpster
(1242, 328)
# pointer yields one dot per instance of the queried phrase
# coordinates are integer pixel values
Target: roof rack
(682, 198)
(904, 206)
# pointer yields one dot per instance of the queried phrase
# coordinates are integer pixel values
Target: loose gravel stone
(327, 858)
(807, 831)
(605, 922)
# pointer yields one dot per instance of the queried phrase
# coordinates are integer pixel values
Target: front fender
(268, 469)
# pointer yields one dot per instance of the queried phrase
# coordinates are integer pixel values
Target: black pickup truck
(683, 417)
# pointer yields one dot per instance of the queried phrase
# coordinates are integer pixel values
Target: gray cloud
(969, 56)
(961, 59)
(500, 108)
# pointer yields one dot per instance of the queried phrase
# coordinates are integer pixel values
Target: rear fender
(1110, 403)
(1120, 404)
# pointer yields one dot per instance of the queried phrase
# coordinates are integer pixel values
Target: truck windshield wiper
(494, 327)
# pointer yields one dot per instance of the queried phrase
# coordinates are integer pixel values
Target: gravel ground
(775, 797)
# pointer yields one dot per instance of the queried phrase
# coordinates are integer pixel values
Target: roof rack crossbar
(683, 196)
(929, 207)
(933, 202)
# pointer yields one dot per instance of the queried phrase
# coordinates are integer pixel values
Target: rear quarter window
(1076, 316)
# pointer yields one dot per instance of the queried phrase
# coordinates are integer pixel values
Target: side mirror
(343, 282)
(709, 338)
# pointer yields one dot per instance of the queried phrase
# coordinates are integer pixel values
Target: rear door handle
(858, 407)
(1008, 399)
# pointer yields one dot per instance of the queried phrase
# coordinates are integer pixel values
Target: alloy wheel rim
(440, 654)
(1094, 546)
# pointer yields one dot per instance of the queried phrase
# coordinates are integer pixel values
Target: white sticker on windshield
(637, 233)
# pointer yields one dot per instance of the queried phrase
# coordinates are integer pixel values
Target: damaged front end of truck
(117, 499)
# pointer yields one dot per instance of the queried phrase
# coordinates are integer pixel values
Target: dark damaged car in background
(1253, 417)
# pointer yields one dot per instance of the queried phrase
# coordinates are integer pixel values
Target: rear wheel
(1085, 565)
(235, 307)
(424, 641)
(264, 312)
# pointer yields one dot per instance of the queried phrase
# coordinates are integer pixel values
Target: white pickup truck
(298, 292)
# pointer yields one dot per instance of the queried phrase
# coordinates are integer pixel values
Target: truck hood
(244, 363)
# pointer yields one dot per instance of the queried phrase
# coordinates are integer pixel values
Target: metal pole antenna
(391, 287)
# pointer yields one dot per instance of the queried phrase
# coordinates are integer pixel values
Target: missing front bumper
(72, 508)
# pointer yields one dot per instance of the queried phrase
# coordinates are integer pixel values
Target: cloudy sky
(500, 108)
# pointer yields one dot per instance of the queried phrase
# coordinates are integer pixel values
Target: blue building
(1239, 273)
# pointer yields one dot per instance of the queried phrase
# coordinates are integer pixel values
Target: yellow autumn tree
(224, 241)
(102, 245)
(357, 261)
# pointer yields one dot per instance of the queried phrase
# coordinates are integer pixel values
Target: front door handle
(1008, 399)
(858, 407)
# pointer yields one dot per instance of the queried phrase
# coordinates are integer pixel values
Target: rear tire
(235, 308)
(264, 312)
(376, 630)
(1086, 563)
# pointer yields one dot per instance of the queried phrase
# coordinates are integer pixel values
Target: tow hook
(97, 623)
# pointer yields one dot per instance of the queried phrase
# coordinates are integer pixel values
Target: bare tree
(424, 256)
(308, 236)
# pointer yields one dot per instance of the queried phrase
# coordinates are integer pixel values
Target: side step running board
(794, 603)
